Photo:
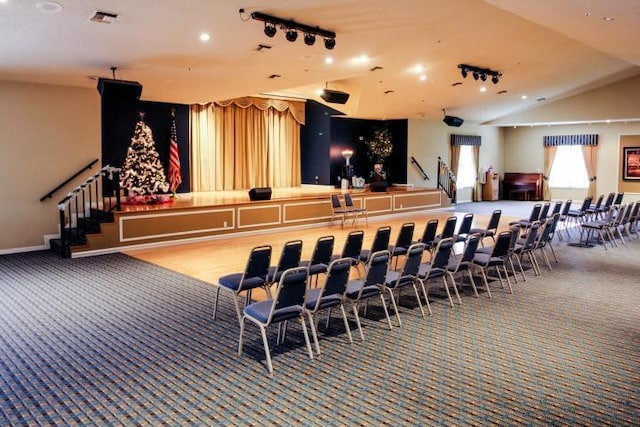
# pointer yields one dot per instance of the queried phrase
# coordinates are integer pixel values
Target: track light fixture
(292, 28)
(479, 73)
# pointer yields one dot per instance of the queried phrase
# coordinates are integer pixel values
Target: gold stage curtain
(246, 143)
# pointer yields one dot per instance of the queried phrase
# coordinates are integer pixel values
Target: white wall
(47, 133)
(428, 139)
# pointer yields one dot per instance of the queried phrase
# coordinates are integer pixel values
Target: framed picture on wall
(631, 166)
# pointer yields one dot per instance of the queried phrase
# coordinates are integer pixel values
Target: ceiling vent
(104, 17)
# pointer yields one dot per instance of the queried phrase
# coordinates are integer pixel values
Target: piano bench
(521, 195)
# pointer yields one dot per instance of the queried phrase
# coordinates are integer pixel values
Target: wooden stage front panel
(196, 217)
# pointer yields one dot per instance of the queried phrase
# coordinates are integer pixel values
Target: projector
(334, 96)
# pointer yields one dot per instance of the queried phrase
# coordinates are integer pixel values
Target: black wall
(119, 118)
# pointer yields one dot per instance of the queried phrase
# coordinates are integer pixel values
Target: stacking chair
(491, 229)
(497, 259)
(632, 226)
(429, 234)
(564, 218)
(601, 227)
(398, 280)
(533, 216)
(330, 294)
(448, 230)
(544, 212)
(554, 227)
(556, 208)
(618, 199)
(526, 245)
(464, 229)
(320, 258)
(577, 216)
(339, 210)
(287, 304)
(542, 242)
(437, 268)
(255, 275)
(352, 247)
(289, 258)
(620, 221)
(355, 211)
(593, 211)
(380, 243)
(606, 206)
(370, 286)
(403, 241)
(463, 263)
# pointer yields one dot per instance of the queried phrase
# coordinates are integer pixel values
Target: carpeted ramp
(115, 341)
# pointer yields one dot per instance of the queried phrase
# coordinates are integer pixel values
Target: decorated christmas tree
(142, 173)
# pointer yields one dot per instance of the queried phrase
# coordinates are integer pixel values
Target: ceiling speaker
(334, 96)
(119, 89)
(453, 121)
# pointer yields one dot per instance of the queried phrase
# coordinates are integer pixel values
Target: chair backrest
(337, 279)
(586, 203)
(381, 239)
(556, 208)
(413, 260)
(599, 202)
(465, 225)
(449, 227)
(494, 221)
(532, 234)
(544, 211)
(503, 242)
(257, 268)
(405, 236)
(566, 208)
(535, 212)
(619, 197)
(290, 256)
(323, 250)
(636, 211)
(609, 201)
(440, 259)
(377, 268)
(353, 245)
(430, 231)
(555, 218)
(335, 202)
(348, 201)
(470, 247)
(545, 235)
(515, 234)
(290, 291)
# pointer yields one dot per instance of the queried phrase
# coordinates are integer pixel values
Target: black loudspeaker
(260, 193)
(119, 89)
(453, 121)
(334, 96)
(378, 187)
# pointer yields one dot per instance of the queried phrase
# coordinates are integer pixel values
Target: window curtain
(589, 153)
(549, 156)
(456, 142)
(589, 143)
(245, 143)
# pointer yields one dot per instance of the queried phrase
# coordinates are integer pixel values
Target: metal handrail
(424, 174)
(446, 180)
(71, 178)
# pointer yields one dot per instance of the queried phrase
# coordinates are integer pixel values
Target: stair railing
(68, 180)
(84, 208)
(424, 174)
(446, 180)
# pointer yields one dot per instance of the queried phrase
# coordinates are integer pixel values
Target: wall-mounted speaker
(260, 193)
(453, 121)
(119, 89)
(334, 96)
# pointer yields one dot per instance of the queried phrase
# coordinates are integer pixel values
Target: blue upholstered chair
(464, 229)
(463, 264)
(496, 258)
(330, 294)
(255, 275)
(286, 304)
(436, 268)
(491, 229)
(320, 258)
(380, 243)
(403, 241)
(289, 258)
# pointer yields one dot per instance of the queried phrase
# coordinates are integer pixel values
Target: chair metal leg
(267, 352)
(306, 336)
(355, 313)
(395, 306)
(314, 332)
(346, 323)
(215, 302)
(426, 298)
(386, 312)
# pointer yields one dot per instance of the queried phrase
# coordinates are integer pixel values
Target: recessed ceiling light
(523, 97)
(608, 18)
(483, 89)
(423, 77)
(418, 68)
(205, 37)
(48, 7)
(328, 60)
(587, 14)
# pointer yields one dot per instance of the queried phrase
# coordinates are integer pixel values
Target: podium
(490, 188)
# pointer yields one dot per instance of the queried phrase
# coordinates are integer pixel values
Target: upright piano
(522, 186)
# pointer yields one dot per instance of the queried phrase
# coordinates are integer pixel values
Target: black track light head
(270, 29)
(292, 35)
(495, 79)
(309, 39)
(330, 43)
(465, 73)
(476, 76)
(483, 77)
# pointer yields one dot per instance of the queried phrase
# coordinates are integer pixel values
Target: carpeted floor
(114, 341)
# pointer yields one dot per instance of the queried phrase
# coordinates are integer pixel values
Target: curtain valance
(555, 140)
(466, 140)
(296, 108)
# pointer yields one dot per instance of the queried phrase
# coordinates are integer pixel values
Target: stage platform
(205, 216)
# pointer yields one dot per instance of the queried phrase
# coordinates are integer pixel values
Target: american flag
(175, 178)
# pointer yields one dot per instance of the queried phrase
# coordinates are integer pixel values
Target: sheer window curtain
(245, 143)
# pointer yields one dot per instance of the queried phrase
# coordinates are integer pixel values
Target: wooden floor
(211, 259)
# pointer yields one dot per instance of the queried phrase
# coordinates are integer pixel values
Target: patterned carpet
(115, 341)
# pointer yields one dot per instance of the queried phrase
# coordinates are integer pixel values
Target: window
(568, 169)
(466, 168)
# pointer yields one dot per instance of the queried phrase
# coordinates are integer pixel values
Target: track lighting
(309, 39)
(479, 73)
(292, 28)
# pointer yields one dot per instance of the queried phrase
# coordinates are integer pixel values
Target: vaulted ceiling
(396, 59)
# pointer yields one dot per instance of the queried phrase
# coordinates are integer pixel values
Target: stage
(204, 216)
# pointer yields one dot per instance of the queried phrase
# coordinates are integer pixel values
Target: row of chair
(347, 209)
(620, 221)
